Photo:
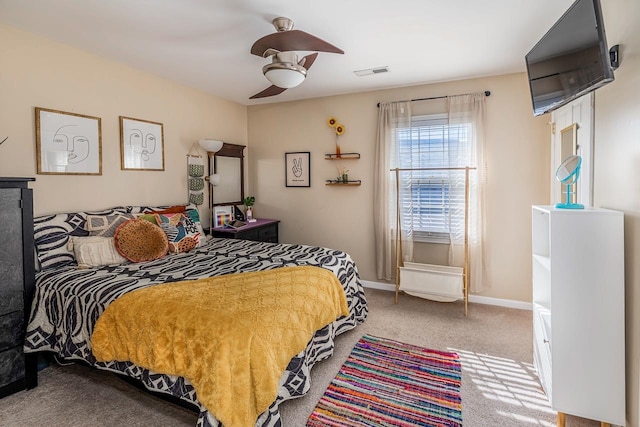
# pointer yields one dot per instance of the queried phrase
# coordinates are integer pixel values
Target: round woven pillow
(139, 240)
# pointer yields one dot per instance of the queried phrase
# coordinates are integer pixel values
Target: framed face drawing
(297, 170)
(141, 145)
(68, 143)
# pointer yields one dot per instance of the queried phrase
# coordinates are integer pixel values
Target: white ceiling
(205, 43)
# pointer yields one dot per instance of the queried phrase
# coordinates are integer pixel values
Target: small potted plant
(248, 203)
(343, 175)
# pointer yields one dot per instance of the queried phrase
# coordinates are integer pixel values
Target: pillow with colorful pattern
(182, 232)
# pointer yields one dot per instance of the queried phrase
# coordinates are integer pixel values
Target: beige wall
(617, 167)
(517, 152)
(36, 72)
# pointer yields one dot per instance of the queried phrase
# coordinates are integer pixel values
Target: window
(433, 200)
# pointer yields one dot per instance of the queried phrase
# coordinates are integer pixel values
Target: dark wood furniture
(17, 272)
(263, 230)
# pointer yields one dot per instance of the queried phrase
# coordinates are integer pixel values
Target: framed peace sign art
(297, 169)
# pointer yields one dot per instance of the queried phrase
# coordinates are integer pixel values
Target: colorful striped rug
(389, 383)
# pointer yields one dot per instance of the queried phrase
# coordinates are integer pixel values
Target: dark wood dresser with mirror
(17, 270)
(228, 164)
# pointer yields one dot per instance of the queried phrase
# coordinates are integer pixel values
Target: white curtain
(470, 109)
(391, 117)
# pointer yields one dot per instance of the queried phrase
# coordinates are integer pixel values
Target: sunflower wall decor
(338, 129)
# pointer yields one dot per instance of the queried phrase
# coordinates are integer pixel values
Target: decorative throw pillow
(182, 232)
(138, 240)
(149, 217)
(194, 216)
(105, 225)
(94, 251)
(154, 209)
(51, 236)
(172, 209)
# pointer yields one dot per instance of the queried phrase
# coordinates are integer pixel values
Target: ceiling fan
(285, 70)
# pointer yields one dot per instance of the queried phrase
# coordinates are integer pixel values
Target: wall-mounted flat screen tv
(572, 58)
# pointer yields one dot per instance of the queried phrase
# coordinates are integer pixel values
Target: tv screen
(571, 59)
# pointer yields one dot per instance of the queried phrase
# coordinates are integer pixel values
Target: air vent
(371, 71)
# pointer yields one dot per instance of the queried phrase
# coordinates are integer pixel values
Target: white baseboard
(478, 299)
(378, 285)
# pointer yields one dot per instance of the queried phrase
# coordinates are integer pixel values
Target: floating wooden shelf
(341, 156)
(335, 182)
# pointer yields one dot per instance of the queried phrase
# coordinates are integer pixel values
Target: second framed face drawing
(141, 145)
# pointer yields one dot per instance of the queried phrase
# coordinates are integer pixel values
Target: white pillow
(94, 251)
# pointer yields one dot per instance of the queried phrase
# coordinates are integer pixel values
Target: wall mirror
(228, 163)
(568, 141)
(569, 147)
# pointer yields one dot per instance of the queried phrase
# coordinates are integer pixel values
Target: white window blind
(435, 198)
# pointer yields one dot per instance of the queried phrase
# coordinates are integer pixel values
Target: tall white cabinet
(578, 311)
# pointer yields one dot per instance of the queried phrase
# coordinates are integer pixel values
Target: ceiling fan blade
(308, 60)
(286, 41)
(270, 91)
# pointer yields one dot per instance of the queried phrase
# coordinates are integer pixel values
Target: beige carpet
(499, 387)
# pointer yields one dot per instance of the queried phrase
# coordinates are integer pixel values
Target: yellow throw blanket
(231, 336)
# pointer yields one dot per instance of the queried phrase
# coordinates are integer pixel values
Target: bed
(68, 300)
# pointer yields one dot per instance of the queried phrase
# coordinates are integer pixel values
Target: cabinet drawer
(542, 353)
(261, 232)
(11, 365)
(11, 251)
(268, 234)
(248, 235)
(11, 291)
(11, 330)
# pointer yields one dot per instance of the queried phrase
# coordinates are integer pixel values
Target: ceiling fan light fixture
(285, 71)
(284, 74)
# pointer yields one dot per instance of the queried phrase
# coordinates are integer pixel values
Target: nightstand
(263, 230)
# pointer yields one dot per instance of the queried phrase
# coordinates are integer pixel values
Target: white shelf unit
(578, 317)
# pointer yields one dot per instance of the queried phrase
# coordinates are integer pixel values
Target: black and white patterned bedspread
(68, 302)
